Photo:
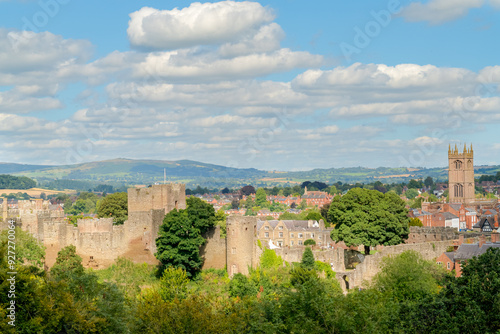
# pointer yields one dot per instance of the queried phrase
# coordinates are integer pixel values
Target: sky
(274, 85)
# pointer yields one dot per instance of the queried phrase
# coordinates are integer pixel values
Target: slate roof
(450, 255)
(291, 225)
(456, 206)
(468, 251)
(480, 223)
(449, 215)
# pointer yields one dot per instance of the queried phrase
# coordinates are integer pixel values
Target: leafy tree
(173, 284)
(261, 198)
(307, 259)
(225, 191)
(68, 263)
(269, 259)
(411, 193)
(241, 286)
(414, 184)
(28, 249)
(16, 182)
(314, 215)
(414, 221)
(309, 242)
(180, 236)
(303, 204)
(370, 218)
(114, 205)
(428, 182)
(408, 276)
(247, 190)
(220, 218)
(333, 190)
(235, 204)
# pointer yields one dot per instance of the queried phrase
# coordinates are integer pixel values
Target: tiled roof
(468, 251)
(449, 215)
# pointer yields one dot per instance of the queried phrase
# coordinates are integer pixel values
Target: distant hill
(132, 172)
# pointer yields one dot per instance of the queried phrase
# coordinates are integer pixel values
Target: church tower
(461, 175)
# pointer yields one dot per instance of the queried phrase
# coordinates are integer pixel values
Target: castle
(461, 175)
(98, 241)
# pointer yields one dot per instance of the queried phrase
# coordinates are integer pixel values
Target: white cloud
(26, 51)
(439, 11)
(198, 24)
(182, 65)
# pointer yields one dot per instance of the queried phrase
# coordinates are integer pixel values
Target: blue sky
(276, 85)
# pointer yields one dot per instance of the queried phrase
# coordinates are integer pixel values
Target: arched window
(458, 164)
(458, 190)
(469, 164)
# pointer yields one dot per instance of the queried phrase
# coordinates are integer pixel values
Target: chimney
(460, 239)
(482, 240)
(495, 237)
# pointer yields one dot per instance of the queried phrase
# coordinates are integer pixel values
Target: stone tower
(461, 175)
(241, 238)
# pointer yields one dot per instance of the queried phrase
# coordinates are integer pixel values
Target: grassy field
(35, 192)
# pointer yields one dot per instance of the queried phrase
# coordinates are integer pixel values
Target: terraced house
(290, 233)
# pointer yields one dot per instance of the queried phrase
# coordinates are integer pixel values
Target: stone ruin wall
(213, 251)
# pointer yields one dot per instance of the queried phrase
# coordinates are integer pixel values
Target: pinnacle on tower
(449, 148)
(471, 150)
(465, 148)
(456, 149)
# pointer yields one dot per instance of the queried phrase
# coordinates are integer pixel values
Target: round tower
(241, 235)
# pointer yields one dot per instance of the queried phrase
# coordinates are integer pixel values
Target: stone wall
(162, 196)
(241, 251)
(430, 234)
(213, 251)
(334, 257)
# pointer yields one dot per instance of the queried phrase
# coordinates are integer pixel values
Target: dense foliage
(409, 295)
(16, 182)
(181, 236)
(114, 205)
(370, 218)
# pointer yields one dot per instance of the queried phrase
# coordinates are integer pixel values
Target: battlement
(159, 196)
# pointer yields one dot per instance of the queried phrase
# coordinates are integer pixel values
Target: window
(281, 234)
(266, 228)
(280, 243)
(291, 243)
(300, 235)
(266, 234)
(280, 227)
(439, 262)
(292, 235)
(300, 242)
(233, 250)
(448, 265)
(312, 235)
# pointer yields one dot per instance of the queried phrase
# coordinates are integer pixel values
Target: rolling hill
(193, 173)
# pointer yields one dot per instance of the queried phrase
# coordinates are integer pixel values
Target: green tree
(307, 259)
(333, 190)
(411, 193)
(220, 218)
(303, 204)
(261, 198)
(370, 218)
(173, 284)
(114, 205)
(309, 242)
(27, 249)
(428, 182)
(180, 236)
(68, 263)
(408, 276)
(414, 221)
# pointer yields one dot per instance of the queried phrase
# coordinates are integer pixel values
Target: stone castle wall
(334, 257)
(213, 251)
